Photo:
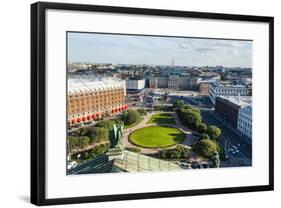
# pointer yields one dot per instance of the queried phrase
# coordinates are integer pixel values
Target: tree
(99, 134)
(202, 128)
(131, 116)
(73, 141)
(118, 121)
(205, 147)
(108, 124)
(204, 136)
(190, 107)
(190, 118)
(83, 141)
(175, 153)
(98, 150)
(179, 104)
(213, 132)
(142, 112)
(215, 159)
(81, 132)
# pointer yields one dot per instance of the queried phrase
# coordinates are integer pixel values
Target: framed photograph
(134, 103)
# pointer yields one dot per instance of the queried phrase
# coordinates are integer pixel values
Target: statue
(215, 159)
(118, 135)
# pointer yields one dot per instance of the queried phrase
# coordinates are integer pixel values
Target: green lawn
(162, 118)
(157, 136)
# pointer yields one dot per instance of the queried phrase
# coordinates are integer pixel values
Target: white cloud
(158, 50)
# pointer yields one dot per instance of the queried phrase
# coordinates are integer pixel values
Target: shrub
(133, 149)
(175, 153)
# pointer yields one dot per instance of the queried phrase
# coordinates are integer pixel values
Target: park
(167, 135)
(157, 137)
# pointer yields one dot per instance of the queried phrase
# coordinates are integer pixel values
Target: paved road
(230, 138)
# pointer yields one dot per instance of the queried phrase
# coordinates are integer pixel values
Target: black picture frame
(38, 102)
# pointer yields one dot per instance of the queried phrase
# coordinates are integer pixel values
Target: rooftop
(228, 85)
(76, 85)
(131, 162)
(134, 162)
(241, 101)
(247, 110)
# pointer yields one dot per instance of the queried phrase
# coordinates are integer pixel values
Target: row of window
(245, 117)
(244, 123)
(89, 108)
(231, 91)
(97, 93)
(88, 101)
(87, 113)
(247, 131)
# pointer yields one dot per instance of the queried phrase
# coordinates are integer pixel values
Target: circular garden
(156, 136)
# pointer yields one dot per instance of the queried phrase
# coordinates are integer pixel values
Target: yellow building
(204, 88)
(91, 99)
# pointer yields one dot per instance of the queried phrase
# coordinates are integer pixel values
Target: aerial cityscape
(140, 103)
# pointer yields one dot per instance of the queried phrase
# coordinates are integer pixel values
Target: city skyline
(152, 50)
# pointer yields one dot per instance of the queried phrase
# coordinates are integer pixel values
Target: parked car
(194, 165)
(205, 165)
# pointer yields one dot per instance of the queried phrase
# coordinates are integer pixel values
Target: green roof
(130, 162)
(135, 162)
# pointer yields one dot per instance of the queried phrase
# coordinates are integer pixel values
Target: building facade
(204, 88)
(227, 90)
(174, 82)
(227, 109)
(91, 99)
(135, 85)
(245, 121)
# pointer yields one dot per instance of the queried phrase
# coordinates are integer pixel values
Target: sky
(131, 49)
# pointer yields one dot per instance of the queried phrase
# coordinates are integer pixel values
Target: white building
(135, 84)
(227, 90)
(174, 82)
(245, 121)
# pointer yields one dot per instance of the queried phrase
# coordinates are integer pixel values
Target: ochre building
(92, 99)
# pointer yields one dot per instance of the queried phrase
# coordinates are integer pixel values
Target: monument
(116, 147)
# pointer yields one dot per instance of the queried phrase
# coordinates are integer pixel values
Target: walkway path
(188, 134)
(187, 141)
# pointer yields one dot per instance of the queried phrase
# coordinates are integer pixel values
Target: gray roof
(83, 85)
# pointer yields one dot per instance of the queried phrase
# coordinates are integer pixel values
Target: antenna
(173, 62)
